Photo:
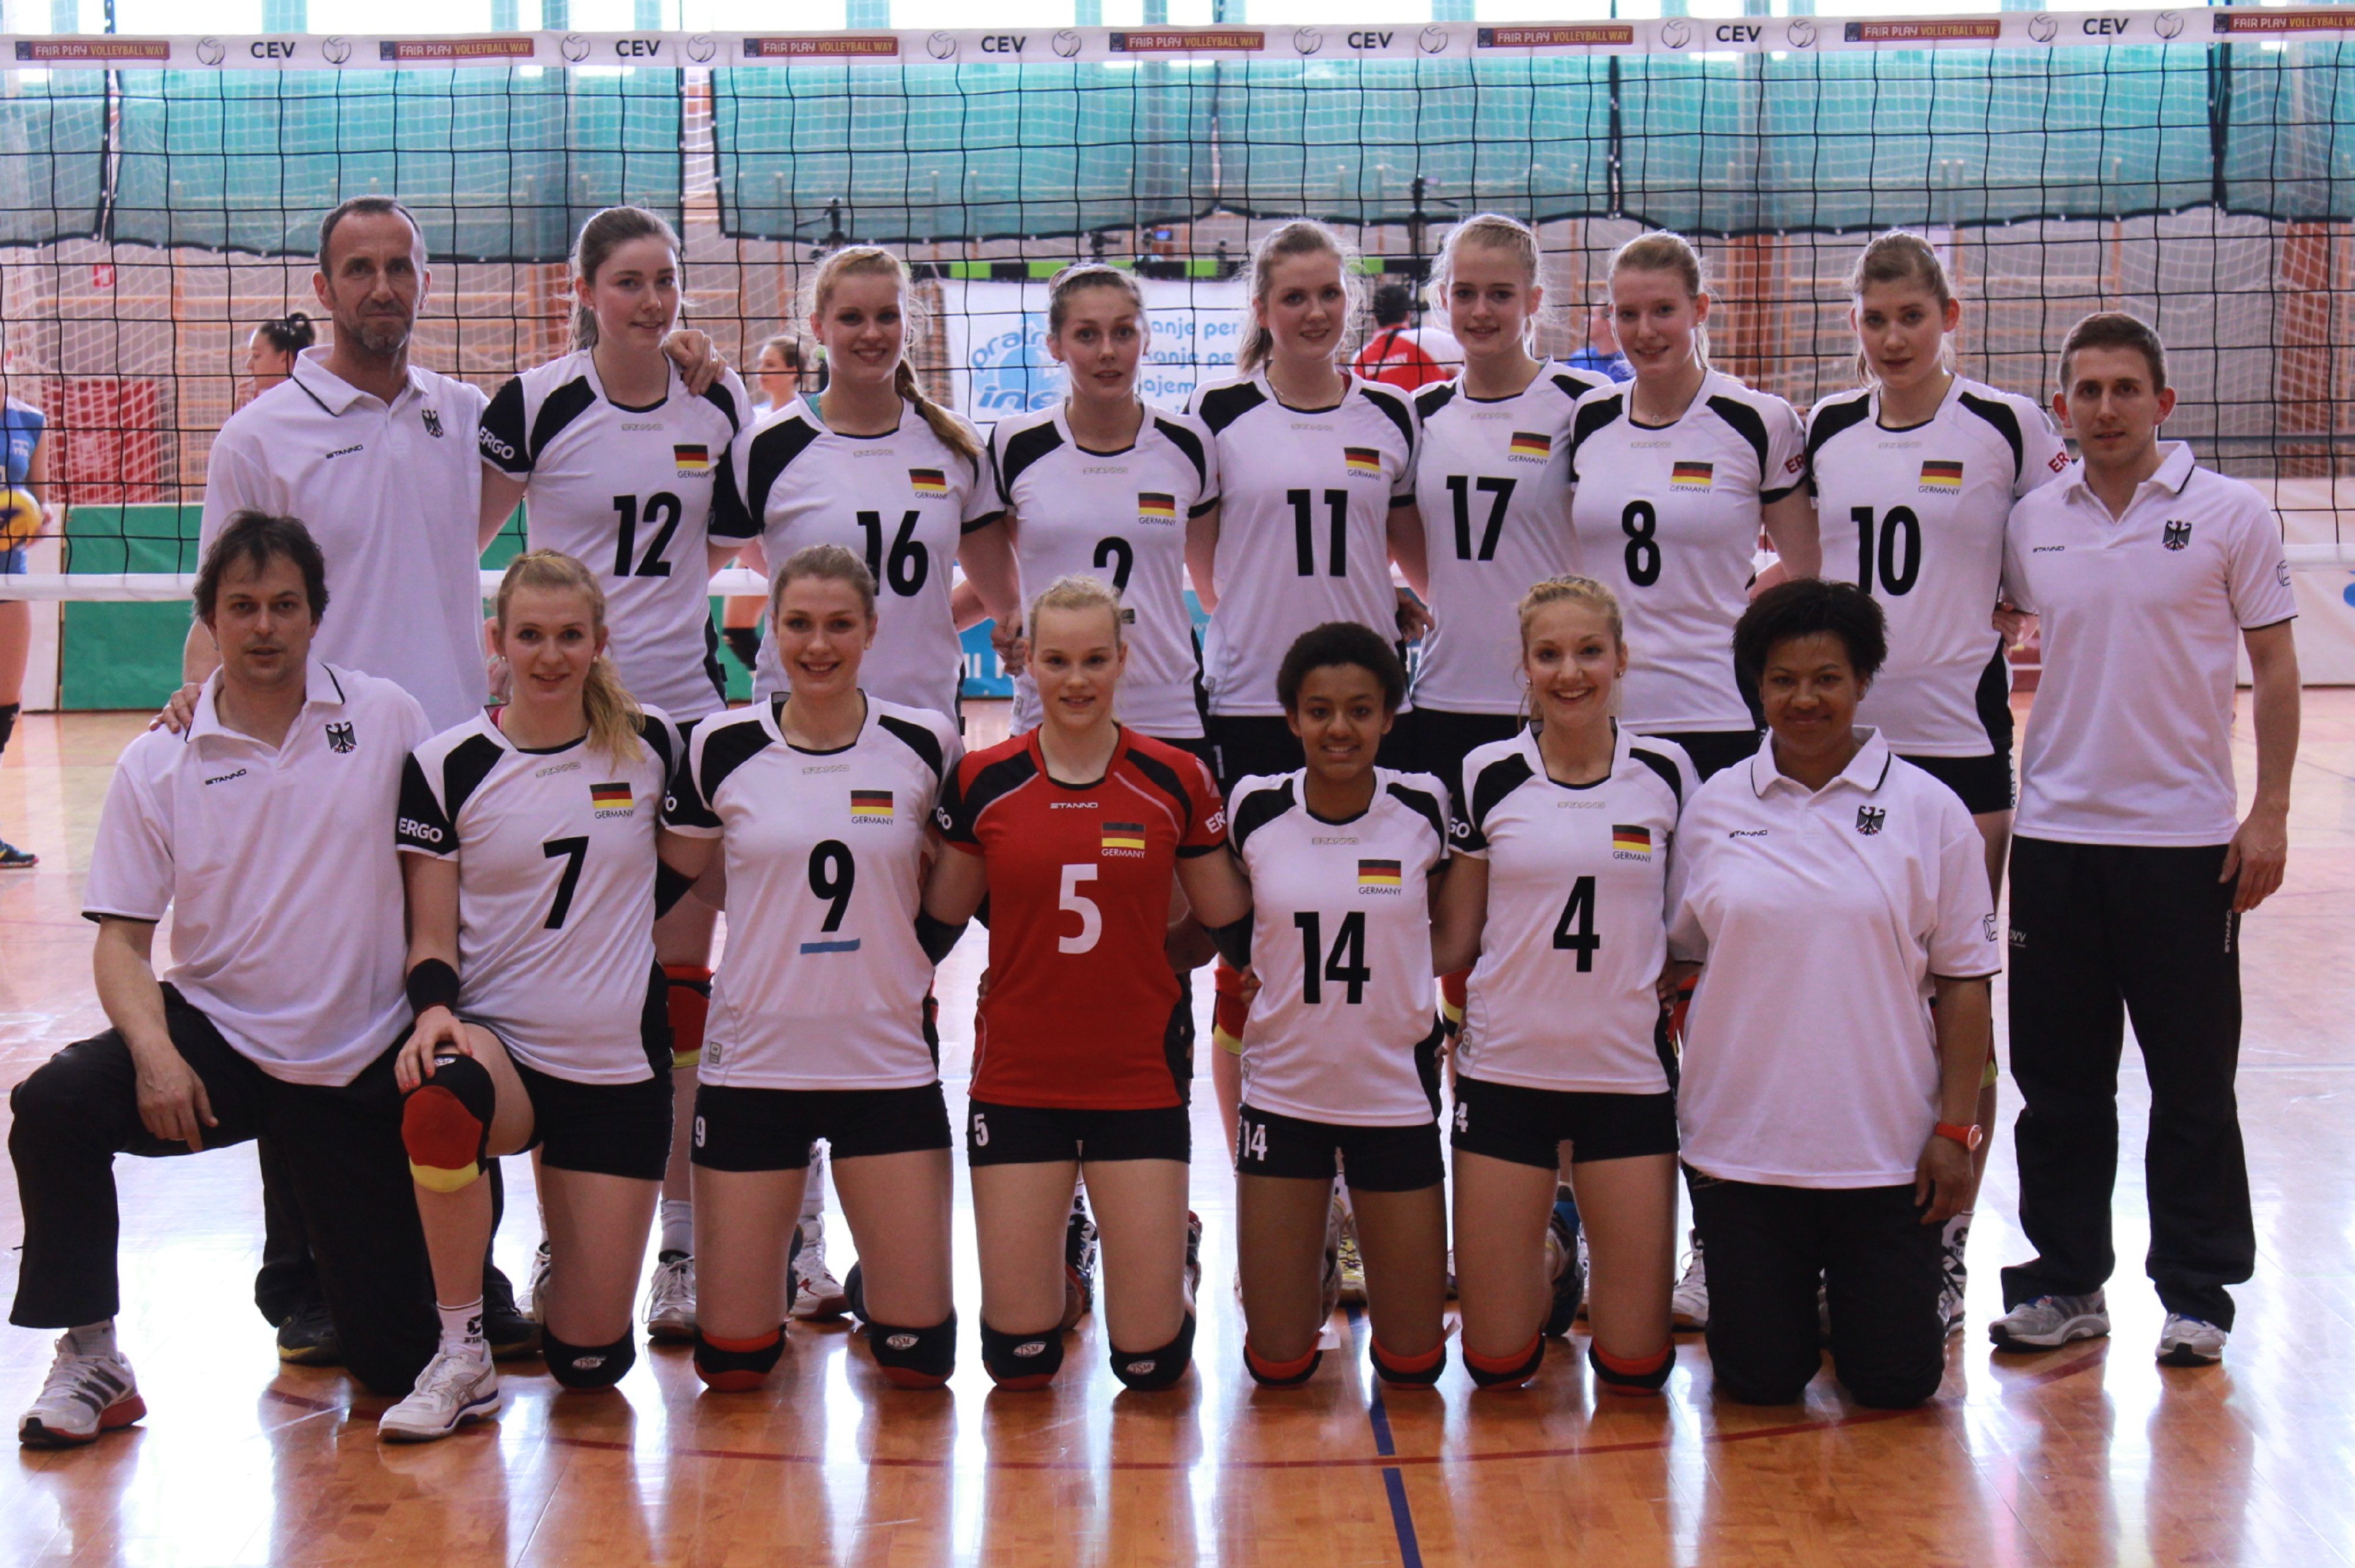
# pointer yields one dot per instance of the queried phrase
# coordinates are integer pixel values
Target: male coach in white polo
(2129, 871)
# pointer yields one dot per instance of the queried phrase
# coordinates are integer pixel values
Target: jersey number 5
(1344, 966)
(1073, 901)
(663, 506)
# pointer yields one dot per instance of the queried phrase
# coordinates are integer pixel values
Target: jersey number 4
(1575, 933)
(661, 513)
(1344, 966)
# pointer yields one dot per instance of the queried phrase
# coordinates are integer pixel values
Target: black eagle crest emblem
(433, 419)
(340, 738)
(2178, 535)
(1869, 819)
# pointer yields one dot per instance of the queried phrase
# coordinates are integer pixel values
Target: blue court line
(1393, 1478)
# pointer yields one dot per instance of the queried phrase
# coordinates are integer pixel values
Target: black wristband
(1235, 941)
(670, 886)
(936, 937)
(432, 984)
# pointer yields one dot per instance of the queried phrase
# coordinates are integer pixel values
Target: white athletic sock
(1958, 1228)
(678, 1225)
(461, 1329)
(93, 1338)
(814, 1187)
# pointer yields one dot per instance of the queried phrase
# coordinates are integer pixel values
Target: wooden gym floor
(2091, 1454)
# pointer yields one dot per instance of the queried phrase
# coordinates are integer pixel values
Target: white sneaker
(1688, 1303)
(1353, 1267)
(670, 1299)
(2189, 1342)
(451, 1390)
(82, 1396)
(821, 1295)
(2050, 1322)
(534, 1294)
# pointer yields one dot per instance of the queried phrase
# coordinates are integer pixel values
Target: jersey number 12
(662, 513)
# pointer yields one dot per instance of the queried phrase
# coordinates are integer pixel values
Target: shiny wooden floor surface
(2088, 1455)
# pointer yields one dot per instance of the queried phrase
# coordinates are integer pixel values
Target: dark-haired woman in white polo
(1832, 893)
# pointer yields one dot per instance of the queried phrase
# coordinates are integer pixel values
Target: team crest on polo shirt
(433, 419)
(340, 738)
(2177, 536)
(1869, 819)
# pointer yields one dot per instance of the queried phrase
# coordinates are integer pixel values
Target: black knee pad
(1022, 1362)
(446, 1123)
(1497, 1372)
(1420, 1372)
(1281, 1374)
(588, 1366)
(734, 1368)
(915, 1358)
(1149, 1370)
(792, 1268)
(1631, 1379)
(854, 1289)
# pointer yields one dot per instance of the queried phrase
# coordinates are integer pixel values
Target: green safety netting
(52, 155)
(497, 165)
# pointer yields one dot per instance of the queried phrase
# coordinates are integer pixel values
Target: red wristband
(1971, 1137)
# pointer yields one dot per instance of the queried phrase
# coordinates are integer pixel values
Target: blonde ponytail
(613, 714)
(1663, 251)
(874, 260)
(604, 233)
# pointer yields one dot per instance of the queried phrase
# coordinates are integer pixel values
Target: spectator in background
(28, 471)
(1601, 356)
(270, 352)
(780, 376)
(1404, 355)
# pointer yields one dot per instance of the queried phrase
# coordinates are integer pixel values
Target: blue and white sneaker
(2190, 1342)
(451, 1390)
(2050, 1322)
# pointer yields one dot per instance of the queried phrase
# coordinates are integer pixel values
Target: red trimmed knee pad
(738, 1366)
(1632, 1375)
(913, 1358)
(446, 1123)
(1506, 1371)
(1407, 1371)
(1158, 1369)
(1281, 1374)
(1021, 1362)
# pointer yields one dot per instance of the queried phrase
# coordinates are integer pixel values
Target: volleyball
(20, 517)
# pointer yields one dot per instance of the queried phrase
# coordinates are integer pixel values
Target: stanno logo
(433, 424)
(1070, 806)
(1747, 833)
(642, 424)
(340, 739)
(345, 451)
(1869, 819)
(224, 778)
(2177, 536)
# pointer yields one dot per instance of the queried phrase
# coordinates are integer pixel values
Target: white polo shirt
(393, 496)
(279, 870)
(1810, 1058)
(2130, 741)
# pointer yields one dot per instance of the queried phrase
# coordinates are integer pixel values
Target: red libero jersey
(1077, 1016)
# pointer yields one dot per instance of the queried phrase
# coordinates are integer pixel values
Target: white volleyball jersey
(822, 983)
(1491, 483)
(1670, 516)
(556, 888)
(1120, 515)
(1925, 509)
(1303, 526)
(901, 502)
(1342, 1029)
(634, 494)
(1562, 995)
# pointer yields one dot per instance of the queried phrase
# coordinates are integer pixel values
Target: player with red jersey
(1073, 831)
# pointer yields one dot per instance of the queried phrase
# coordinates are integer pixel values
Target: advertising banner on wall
(997, 342)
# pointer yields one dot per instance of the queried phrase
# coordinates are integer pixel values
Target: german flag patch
(691, 460)
(1362, 459)
(928, 481)
(1123, 838)
(871, 806)
(1381, 876)
(1631, 843)
(1693, 475)
(615, 796)
(1155, 506)
(1529, 446)
(1940, 477)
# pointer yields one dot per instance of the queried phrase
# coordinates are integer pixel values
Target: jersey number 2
(1345, 966)
(662, 505)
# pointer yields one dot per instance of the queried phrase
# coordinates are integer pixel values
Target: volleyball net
(159, 196)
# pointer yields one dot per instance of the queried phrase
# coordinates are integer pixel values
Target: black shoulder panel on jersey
(919, 740)
(773, 448)
(729, 748)
(1498, 780)
(1187, 442)
(470, 762)
(564, 405)
(1433, 398)
(501, 432)
(1425, 802)
(657, 737)
(1833, 415)
(725, 401)
(1391, 401)
(995, 782)
(1592, 416)
(1750, 427)
(2000, 415)
(1025, 447)
(1224, 407)
(1576, 384)
(1661, 765)
(1257, 809)
(1165, 778)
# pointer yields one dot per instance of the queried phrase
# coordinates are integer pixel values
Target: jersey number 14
(1344, 966)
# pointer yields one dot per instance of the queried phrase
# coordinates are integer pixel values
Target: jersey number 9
(832, 874)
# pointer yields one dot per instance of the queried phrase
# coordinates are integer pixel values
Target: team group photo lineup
(1581, 786)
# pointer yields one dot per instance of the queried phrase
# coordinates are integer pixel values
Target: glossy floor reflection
(2090, 1456)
